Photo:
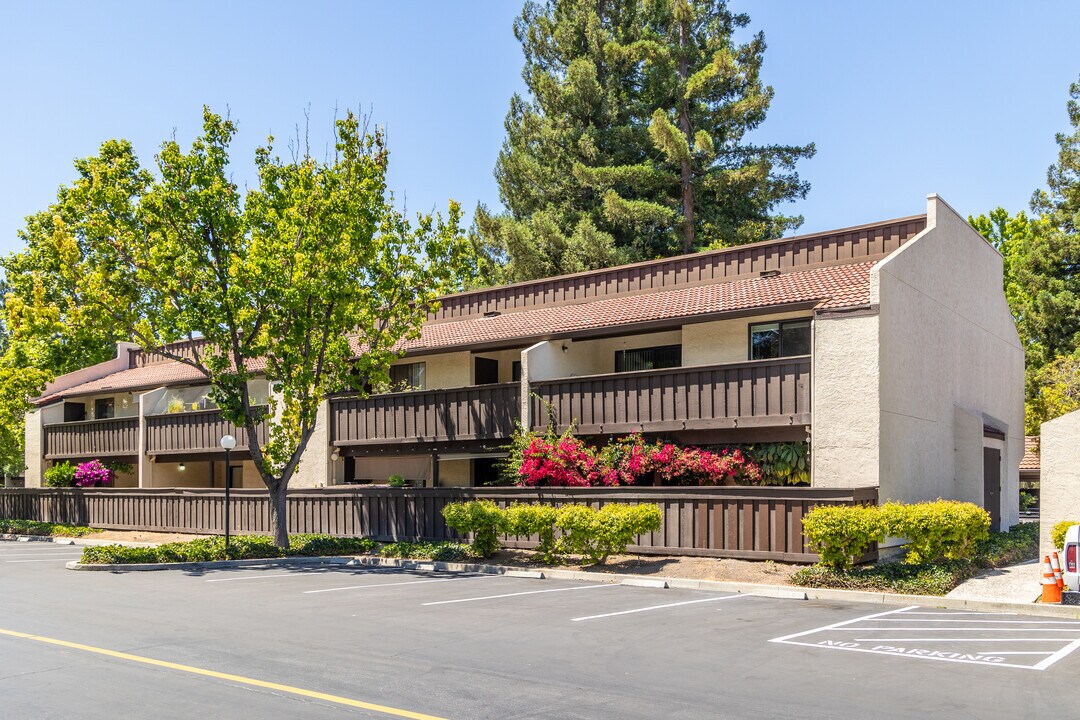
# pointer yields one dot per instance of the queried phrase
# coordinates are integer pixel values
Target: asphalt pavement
(311, 642)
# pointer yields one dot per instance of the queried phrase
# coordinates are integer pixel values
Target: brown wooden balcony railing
(481, 412)
(92, 438)
(200, 431)
(756, 393)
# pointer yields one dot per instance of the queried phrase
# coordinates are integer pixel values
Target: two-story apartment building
(888, 347)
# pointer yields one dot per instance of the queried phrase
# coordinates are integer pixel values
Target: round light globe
(228, 442)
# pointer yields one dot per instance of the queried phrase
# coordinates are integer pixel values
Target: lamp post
(228, 442)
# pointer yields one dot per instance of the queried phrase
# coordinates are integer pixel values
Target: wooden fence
(759, 523)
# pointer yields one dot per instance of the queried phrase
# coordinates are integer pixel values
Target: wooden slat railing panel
(199, 431)
(739, 522)
(772, 391)
(92, 438)
(481, 412)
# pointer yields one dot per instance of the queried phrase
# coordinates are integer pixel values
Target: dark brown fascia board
(707, 253)
(649, 326)
(851, 311)
(114, 390)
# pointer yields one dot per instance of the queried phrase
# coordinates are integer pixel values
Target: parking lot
(317, 642)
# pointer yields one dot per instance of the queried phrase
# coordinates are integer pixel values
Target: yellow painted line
(226, 676)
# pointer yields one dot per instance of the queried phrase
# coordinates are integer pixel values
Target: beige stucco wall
(196, 474)
(314, 469)
(410, 467)
(34, 438)
(845, 410)
(725, 341)
(1059, 478)
(596, 357)
(455, 473)
(947, 341)
(445, 370)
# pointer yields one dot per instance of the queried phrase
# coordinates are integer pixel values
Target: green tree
(632, 143)
(312, 279)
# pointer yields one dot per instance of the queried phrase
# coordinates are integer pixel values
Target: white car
(1070, 560)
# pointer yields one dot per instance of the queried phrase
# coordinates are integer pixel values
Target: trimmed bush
(241, 547)
(1057, 533)
(61, 475)
(596, 534)
(482, 518)
(1000, 549)
(942, 529)
(842, 533)
(526, 520)
(441, 551)
(33, 527)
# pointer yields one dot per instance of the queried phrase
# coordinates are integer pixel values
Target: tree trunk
(279, 519)
(686, 176)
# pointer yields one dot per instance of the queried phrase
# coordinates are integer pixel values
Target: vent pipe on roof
(770, 273)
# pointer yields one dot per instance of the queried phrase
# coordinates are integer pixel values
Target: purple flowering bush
(93, 474)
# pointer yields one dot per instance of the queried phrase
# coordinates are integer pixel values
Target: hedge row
(241, 547)
(567, 530)
(1001, 549)
(943, 529)
(33, 527)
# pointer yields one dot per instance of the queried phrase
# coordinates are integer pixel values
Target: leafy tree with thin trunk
(632, 144)
(311, 279)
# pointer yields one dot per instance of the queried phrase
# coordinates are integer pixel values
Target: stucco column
(314, 469)
(1059, 475)
(34, 448)
(147, 402)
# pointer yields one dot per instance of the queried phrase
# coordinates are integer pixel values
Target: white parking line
(58, 559)
(1010, 622)
(950, 629)
(530, 592)
(657, 607)
(304, 574)
(407, 582)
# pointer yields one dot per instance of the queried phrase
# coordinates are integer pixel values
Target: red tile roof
(832, 287)
(829, 287)
(1030, 460)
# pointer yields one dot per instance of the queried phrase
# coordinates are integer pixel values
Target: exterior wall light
(181, 467)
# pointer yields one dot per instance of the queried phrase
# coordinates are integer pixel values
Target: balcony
(113, 437)
(748, 394)
(481, 412)
(194, 432)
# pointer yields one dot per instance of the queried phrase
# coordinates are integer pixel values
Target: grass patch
(32, 527)
(1017, 545)
(441, 551)
(241, 547)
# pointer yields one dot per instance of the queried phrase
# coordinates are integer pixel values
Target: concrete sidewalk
(1015, 584)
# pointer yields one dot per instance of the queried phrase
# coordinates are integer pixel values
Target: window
(104, 408)
(779, 339)
(654, 358)
(515, 370)
(408, 377)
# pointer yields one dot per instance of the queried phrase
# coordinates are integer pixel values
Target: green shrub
(1057, 533)
(596, 534)
(396, 481)
(440, 551)
(1000, 549)
(241, 547)
(842, 533)
(61, 475)
(33, 527)
(941, 529)
(1028, 500)
(527, 520)
(483, 518)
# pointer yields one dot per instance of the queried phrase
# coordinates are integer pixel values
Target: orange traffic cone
(1051, 593)
(1055, 564)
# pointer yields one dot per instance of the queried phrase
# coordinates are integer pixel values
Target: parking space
(997, 639)
(22, 552)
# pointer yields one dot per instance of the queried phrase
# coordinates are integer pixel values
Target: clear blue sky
(902, 98)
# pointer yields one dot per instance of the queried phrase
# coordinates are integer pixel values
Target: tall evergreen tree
(632, 145)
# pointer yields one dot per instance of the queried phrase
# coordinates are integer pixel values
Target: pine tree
(632, 145)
